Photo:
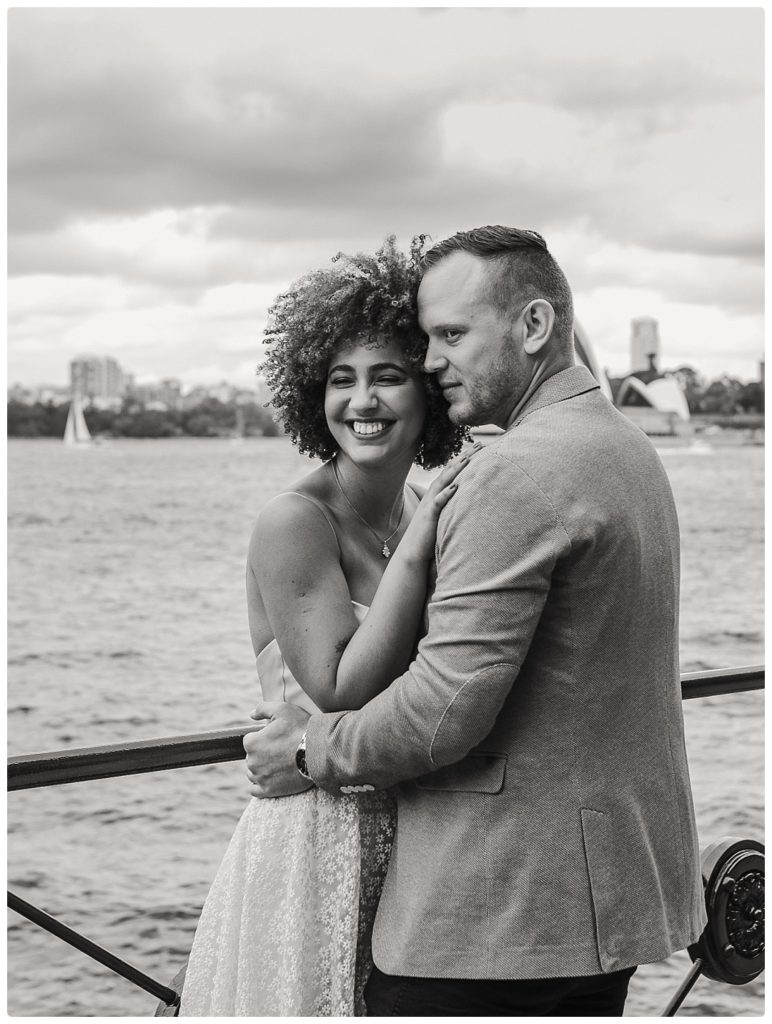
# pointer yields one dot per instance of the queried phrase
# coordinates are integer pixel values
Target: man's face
(480, 367)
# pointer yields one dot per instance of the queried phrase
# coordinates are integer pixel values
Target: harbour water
(127, 621)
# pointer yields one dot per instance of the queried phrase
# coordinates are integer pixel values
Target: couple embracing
(472, 795)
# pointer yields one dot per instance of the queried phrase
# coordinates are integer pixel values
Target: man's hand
(271, 750)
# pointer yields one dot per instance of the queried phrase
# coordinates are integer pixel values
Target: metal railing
(60, 767)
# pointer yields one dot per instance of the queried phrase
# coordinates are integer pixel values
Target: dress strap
(319, 505)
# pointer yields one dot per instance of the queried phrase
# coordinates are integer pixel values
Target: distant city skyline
(637, 360)
(168, 184)
(103, 382)
(257, 383)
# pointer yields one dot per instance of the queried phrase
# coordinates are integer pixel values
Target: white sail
(81, 429)
(69, 429)
(76, 431)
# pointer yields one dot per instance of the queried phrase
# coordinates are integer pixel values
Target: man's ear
(538, 318)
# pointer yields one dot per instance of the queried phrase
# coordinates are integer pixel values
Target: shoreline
(724, 437)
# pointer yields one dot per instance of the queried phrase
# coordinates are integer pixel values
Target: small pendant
(385, 551)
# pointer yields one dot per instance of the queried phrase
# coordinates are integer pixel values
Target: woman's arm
(296, 561)
(383, 645)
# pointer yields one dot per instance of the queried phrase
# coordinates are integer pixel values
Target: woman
(336, 586)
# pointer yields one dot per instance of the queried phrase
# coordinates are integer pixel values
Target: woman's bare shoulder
(296, 523)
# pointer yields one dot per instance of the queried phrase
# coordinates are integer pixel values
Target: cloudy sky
(171, 170)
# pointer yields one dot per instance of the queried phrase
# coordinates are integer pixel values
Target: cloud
(195, 108)
(724, 282)
(151, 339)
(134, 133)
(192, 158)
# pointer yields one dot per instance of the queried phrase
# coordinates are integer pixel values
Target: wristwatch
(300, 759)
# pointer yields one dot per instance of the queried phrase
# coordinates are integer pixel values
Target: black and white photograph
(385, 493)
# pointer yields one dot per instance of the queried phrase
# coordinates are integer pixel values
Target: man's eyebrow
(457, 325)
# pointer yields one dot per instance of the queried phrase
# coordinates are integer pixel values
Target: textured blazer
(545, 819)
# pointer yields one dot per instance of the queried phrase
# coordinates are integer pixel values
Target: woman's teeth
(369, 426)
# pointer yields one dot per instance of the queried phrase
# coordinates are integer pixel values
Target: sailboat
(76, 431)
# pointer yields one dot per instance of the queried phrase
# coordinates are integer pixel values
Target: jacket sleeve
(497, 544)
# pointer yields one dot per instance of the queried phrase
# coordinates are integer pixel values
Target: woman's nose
(363, 397)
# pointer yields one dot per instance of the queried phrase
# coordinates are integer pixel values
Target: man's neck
(543, 373)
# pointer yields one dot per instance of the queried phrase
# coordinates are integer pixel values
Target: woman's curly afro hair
(363, 299)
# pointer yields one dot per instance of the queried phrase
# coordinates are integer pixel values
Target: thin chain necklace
(385, 549)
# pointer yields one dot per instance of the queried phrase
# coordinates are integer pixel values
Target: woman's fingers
(454, 468)
(451, 471)
(440, 500)
(265, 710)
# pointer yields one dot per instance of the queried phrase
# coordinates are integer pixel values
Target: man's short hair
(523, 269)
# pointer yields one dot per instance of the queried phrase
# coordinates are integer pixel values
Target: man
(546, 842)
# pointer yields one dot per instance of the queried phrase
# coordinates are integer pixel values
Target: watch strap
(300, 759)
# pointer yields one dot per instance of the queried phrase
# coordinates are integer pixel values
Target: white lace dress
(285, 930)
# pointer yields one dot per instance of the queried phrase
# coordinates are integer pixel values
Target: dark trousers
(597, 995)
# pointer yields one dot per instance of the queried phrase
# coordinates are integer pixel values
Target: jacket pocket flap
(480, 772)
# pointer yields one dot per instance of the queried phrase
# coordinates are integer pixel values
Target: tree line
(724, 396)
(210, 418)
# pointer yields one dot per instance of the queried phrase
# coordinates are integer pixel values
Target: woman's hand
(418, 541)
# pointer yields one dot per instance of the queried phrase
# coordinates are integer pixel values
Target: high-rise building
(644, 344)
(113, 378)
(96, 377)
(84, 376)
(169, 392)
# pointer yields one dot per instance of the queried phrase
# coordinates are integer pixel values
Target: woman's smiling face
(374, 403)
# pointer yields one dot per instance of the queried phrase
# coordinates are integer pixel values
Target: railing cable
(683, 989)
(98, 953)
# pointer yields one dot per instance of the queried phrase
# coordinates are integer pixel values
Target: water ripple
(126, 618)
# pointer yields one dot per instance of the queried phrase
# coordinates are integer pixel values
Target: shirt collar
(568, 383)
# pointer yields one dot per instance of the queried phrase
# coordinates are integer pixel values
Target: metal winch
(731, 948)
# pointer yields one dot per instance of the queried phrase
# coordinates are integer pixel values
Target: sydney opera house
(651, 399)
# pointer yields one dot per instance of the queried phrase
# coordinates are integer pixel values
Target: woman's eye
(340, 382)
(389, 379)
(451, 335)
